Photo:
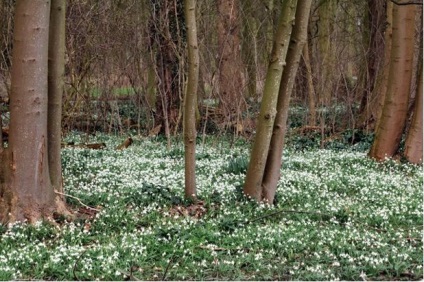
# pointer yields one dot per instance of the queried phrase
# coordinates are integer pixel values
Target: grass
(339, 216)
(119, 92)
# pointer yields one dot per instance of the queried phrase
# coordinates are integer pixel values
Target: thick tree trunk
(392, 123)
(414, 141)
(297, 42)
(56, 71)
(230, 62)
(190, 101)
(28, 193)
(259, 154)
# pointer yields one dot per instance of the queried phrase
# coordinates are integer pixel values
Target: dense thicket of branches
(125, 64)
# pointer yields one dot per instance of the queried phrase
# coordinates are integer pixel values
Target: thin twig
(73, 197)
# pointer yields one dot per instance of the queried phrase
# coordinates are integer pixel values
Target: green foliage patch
(339, 215)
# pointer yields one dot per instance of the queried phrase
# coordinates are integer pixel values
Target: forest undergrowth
(338, 216)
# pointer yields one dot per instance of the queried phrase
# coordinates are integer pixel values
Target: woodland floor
(339, 216)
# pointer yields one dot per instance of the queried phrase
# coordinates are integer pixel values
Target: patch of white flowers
(358, 219)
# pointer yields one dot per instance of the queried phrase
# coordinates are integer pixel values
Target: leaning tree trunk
(259, 154)
(55, 89)
(27, 194)
(190, 100)
(297, 42)
(414, 141)
(395, 110)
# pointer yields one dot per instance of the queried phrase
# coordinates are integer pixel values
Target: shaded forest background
(126, 65)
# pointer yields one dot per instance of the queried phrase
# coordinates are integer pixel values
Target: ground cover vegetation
(207, 101)
(337, 215)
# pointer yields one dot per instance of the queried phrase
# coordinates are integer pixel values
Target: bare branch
(67, 195)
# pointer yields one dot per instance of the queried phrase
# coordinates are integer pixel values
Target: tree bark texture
(28, 193)
(56, 69)
(383, 77)
(312, 114)
(297, 42)
(265, 123)
(414, 140)
(190, 101)
(230, 64)
(395, 110)
(377, 25)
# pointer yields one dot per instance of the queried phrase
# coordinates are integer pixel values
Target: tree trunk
(270, 26)
(414, 141)
(259, 154)
(28, 193)
(190, 101)
(377, 23)
(383, 77)
(56, 69)
(230, 63)
(297, 42)
(326, 56)
(392, 123)
(312, 115)
(1, 133)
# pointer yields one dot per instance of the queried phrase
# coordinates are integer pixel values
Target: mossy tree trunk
(27, 192)
(265, 123)
(395, 110)
(297, 42)
(190, 101)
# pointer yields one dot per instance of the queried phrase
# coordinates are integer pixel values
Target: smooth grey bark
(190, 100)
(27, 194)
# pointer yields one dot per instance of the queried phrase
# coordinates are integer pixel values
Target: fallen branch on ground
(73, 197)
